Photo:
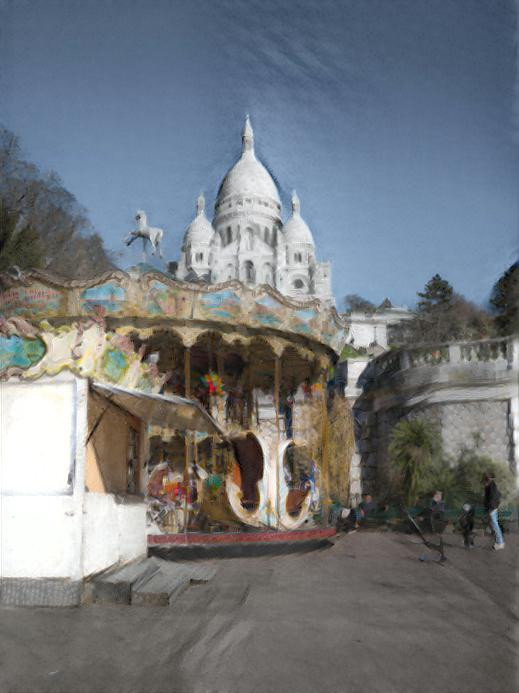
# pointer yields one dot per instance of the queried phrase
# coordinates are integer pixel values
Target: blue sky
(395, 120)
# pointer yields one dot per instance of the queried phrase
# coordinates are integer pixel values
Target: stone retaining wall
(471, 390)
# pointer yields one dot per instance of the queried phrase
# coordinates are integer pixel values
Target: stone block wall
(484, 425)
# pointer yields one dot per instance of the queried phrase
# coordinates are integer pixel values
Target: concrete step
(170, 580)
(160, 590)
(115, 586)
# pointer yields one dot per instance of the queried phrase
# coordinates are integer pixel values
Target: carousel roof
(145, 297)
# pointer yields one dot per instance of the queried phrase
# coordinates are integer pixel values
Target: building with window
(247, 239)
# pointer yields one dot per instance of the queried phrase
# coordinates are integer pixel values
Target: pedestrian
(437, 511)
(466, 523)
(365, 508)
(288, 414)
(492, 500)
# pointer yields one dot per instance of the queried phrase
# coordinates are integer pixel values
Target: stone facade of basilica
(247, 239)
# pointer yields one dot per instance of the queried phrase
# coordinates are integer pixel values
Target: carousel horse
(147, 233)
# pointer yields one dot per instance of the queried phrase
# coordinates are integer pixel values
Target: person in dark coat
(437, 513)
(365, 508)
(288, 413)
(466, 523)
(492, 500)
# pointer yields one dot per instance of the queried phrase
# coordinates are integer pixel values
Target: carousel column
(249, 396)
(220, 401)
(277, 379)
(187, 434)
(325, 451)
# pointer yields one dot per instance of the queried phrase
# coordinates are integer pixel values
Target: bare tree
(69, 245)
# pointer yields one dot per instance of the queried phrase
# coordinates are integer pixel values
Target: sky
(395, 120)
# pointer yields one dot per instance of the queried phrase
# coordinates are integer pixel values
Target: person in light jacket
(492, 500)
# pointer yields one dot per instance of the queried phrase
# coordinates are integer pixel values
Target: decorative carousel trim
(61, 282)
(146, 276)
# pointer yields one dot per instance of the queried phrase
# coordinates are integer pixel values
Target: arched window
(267, 235)
(250, 273)
(249, 239)
(229, 272)
(268, 274)
(229, 234)
(298, 257)
(199, 257)
(298, 284)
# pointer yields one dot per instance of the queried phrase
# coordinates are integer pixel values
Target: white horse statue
(147, 233)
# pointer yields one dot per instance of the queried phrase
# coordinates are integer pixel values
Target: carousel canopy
(169, 411)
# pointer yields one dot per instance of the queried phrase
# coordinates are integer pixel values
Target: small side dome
(200, 229)
(296, 229)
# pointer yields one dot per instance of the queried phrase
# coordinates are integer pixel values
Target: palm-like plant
(412, 449)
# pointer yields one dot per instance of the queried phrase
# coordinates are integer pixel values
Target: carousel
(258, 364)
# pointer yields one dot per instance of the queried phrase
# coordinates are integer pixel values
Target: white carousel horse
(147, 233)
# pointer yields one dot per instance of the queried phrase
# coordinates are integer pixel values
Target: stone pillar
(454, 353)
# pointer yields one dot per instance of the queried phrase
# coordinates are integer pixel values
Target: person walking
(492, 500)
(466, 523)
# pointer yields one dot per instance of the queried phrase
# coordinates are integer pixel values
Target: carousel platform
(197, 545)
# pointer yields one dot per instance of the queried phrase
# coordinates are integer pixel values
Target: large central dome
(248, 176)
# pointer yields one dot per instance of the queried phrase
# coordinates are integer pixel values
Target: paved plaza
(365, 615)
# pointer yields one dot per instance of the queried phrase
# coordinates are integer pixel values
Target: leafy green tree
(355, 303)
(505, 301)
(437, 293)
(413, 448)
(442, 315)
(20, 244)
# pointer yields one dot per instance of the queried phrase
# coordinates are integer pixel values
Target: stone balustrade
(504, 350)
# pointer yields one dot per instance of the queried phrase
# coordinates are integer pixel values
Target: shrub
(413, 450)
(419, 468)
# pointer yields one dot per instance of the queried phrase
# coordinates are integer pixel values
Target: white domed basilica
(247, 239)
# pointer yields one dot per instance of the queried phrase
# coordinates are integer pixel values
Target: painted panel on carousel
(85, 349)
(220, 305)
(170, 301)
(306, 321)
(20, 352)
(267, 311)
(109, 296)
(31, 300)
